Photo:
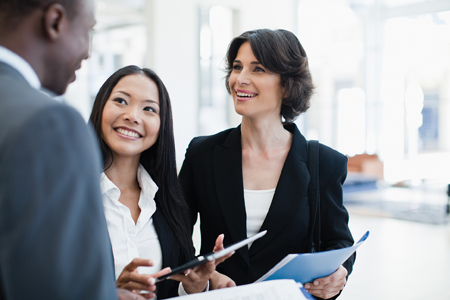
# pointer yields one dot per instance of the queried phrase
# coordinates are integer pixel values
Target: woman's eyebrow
(125, 93)
(152, 101)
(252, 63)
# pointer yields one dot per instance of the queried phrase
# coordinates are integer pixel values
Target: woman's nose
(243, 78)
(132, 115)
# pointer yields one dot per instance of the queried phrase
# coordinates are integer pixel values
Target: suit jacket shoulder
(51, 215)
(207, 143)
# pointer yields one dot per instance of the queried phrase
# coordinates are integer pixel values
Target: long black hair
(280, 52)
(158, 160)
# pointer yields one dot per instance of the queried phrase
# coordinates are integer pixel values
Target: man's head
(53, 36)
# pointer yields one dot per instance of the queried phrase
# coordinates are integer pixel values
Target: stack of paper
(267, 290)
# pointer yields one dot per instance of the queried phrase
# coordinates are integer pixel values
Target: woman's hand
(329, 286)
(220, 281)
(196, 280)
(127, 295)
(219, 246)
(131, 280)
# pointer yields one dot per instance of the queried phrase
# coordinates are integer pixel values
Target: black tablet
(211, 256)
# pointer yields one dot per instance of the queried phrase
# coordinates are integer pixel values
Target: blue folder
(306, 267)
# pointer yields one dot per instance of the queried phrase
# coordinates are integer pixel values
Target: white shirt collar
(146, 182)
(148, 188)
(129, 239)
(21, 65)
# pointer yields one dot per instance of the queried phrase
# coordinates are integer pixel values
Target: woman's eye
(237, 67)
(149, 108)
(120, 100)
(259, 69)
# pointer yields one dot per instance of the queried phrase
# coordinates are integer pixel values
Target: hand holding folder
(306, 267)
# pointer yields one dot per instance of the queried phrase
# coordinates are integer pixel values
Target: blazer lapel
(227, 165)
(166, 238)
(291, 188)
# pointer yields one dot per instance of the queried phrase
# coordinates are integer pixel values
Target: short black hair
(12, 11)
(280, 52)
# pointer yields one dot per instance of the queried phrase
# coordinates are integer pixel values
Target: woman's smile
(244, 95)
(128, 133)
(131, 120)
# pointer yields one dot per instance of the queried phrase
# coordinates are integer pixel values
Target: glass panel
(216, 31)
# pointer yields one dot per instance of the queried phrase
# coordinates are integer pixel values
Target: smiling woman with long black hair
(145, 211)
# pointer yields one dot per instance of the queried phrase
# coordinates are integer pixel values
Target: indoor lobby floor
(399, 260)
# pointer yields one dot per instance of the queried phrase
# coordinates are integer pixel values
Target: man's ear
(55, 16)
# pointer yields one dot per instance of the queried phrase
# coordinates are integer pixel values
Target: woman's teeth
(128, 133)
(239, 94)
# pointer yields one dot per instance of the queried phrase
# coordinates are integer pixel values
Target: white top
(21, 65)
(132, 240)
(257, 204)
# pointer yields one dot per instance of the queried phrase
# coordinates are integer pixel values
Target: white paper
(284, 289)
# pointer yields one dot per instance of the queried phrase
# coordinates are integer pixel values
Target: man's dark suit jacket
(53, 238)
(211, 177)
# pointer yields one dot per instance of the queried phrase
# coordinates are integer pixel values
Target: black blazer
(172, 254)
(211, 177)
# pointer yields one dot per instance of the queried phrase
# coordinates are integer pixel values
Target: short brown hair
(280, 52)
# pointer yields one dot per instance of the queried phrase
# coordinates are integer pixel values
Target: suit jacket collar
(291, 188)
(292, 185)
(8, 69)
(228, 180)
(21, 65)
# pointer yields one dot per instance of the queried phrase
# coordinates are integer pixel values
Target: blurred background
(382, 72)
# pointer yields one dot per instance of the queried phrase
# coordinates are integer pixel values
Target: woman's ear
(54, 21)
(284, 93)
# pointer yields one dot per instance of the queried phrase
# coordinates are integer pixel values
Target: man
(53, 238)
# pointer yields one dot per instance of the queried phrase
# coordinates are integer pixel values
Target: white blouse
(129, 239)
(257, 204)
